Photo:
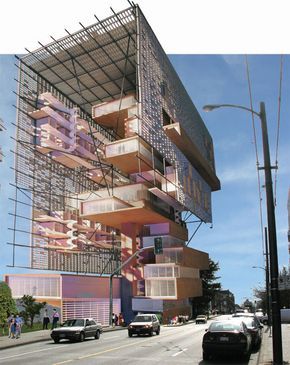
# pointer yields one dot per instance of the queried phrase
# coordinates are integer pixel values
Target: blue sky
(235, 239)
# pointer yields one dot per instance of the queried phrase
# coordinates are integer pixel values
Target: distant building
(223, 302)
(284, 279)
(284, 287)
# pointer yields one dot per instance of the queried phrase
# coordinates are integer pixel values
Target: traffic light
(158, 247)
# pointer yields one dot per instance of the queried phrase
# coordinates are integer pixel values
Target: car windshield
(244, 315)
(259, 314)
(142, 319)
(225, 326)
(249, 322)
(74, 323)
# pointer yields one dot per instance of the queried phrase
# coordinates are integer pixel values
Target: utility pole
(274, 270)
(267, 279)
(272, 236)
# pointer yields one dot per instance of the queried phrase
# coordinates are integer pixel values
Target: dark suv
(144, 324)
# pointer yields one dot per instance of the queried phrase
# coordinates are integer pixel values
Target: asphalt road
(174, 345)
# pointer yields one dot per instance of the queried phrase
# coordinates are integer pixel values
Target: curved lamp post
(274, 268)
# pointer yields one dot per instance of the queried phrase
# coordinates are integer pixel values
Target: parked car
(263, 318)
(144, 324)
(254, 326)
(201, 319)
(77, 330)
(227, 337)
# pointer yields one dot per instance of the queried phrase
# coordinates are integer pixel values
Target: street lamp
(274, 269)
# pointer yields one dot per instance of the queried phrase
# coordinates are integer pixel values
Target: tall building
(111, 153)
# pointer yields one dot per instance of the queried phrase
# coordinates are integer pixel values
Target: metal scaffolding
(95, 65)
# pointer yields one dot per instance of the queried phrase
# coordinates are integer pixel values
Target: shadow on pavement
(225, 360)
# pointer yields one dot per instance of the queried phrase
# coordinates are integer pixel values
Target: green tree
(210, 286)
(249, 305)
(7, 304)
(31, 308)
(261, 295)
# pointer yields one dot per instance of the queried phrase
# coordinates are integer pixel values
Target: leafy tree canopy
(31, 308)
(210, 286)
(7, 303)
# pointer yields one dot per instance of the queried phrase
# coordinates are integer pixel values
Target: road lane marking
(102, 352)
(30, 352)
(179, 352)
(115, 348)
(109, 350)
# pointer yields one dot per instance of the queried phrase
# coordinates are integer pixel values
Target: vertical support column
(131, 273)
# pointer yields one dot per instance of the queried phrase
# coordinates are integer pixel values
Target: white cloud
(240, 172)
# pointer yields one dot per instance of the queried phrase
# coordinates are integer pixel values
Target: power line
(257, 156)
(278, 129)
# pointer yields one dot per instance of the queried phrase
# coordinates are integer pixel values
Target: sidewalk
(38, 336)
(266, 352)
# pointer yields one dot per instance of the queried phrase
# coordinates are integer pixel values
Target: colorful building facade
(111, 154)
(75, 296)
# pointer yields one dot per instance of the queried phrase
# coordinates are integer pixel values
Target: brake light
(208, 338)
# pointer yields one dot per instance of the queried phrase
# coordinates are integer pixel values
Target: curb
(28, 342)
(42, 339)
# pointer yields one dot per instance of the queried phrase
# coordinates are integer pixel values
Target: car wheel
(246, 357)
(82, 337)
(97, 335)
(158, 331)
(130, 334)
(205, 356)
(56, 340)
(151, 332)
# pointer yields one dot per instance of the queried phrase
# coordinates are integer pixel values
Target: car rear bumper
(224, 349)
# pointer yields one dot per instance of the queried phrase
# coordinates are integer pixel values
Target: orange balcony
(114, 212)
(176, 288)
(184, 256)
(115, 114)
(132, 155)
